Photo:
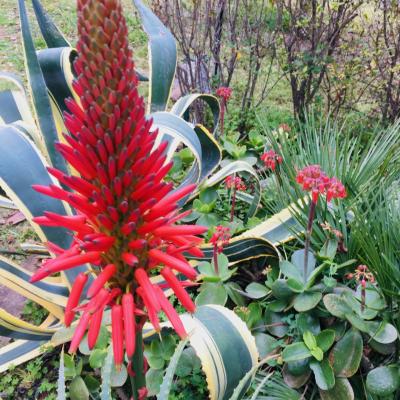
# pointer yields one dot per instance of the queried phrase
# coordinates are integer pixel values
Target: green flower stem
(311, 215)
(233, 203)
(138, 381)
(215, 258)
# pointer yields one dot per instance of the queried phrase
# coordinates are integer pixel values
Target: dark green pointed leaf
(51, 34)
(383, 381)
(40, 97)
(162, 46)
(323, 373)
(345, 356)
(342, 390)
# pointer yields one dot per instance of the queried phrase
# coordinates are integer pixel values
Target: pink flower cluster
(234, 182)
(220, 238)
(313, 179)
(224, 92)
(271, 159)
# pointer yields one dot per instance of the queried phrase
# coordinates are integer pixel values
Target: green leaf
(281, 290)
(78, 389)
(155, 362)
(299, 367)
(118, 376)
(296, 351)
(106, 371)
(97, 357)
(295, 286)
(295, 381)
(40, 97)
(154, 379)
(329, 249)
(211, 293)
(161, 47)
(323, 373)
(274, 324)
(382, 332)
(51, 34)
(309, 340)
(317, 353)
(233, 288)
(345, 356)
(298, 261)
(69, 366)
(305, 322)
(342, 390)
(169, 373)
(92, 383)
(307, 301)
(256, 290)
(336, 305)
(291, 271)
(383, 381)
(266, 344)
(325, 339)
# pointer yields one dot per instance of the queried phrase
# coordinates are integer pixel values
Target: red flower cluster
(220, 237)
(270, 159)
(234, 182)
(125, 212)
(362, 275)
(224, 92)
(314, 180)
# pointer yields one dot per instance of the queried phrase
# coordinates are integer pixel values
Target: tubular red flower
(178, 289)
(79, 332)
(128, 309)
(173, 262)
(117, 329)
(74, 297)
(108, 271)
(94, 327)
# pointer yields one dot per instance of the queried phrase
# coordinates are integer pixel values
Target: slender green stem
(233, 203)
(138, 381)
(311, 215)
(215, 258)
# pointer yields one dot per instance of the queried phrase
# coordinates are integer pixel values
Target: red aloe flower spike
(74, 297)
(117, 329)
(128, 309)
(219, 239)
(80, 332)
(178, 289)
(108, 271)
(94, 327)
(125, 209)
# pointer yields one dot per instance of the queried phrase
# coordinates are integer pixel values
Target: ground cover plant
(183, 249)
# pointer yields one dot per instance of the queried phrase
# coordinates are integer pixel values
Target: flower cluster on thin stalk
(362, 275)
(271, 159)
(234, 183)
(224, 93)
(125, 222)
(219, 239)
(313, 179)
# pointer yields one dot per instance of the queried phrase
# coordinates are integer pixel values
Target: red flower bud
(128, 308)
(101, 279)
(117, 334)
(74, 297)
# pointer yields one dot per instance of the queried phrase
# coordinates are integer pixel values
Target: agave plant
(29, 152)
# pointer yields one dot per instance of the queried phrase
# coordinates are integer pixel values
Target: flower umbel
(362, 275)
(234, 182)
(271, 159)
(219, 239)
(224, 93)
(126, 214)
